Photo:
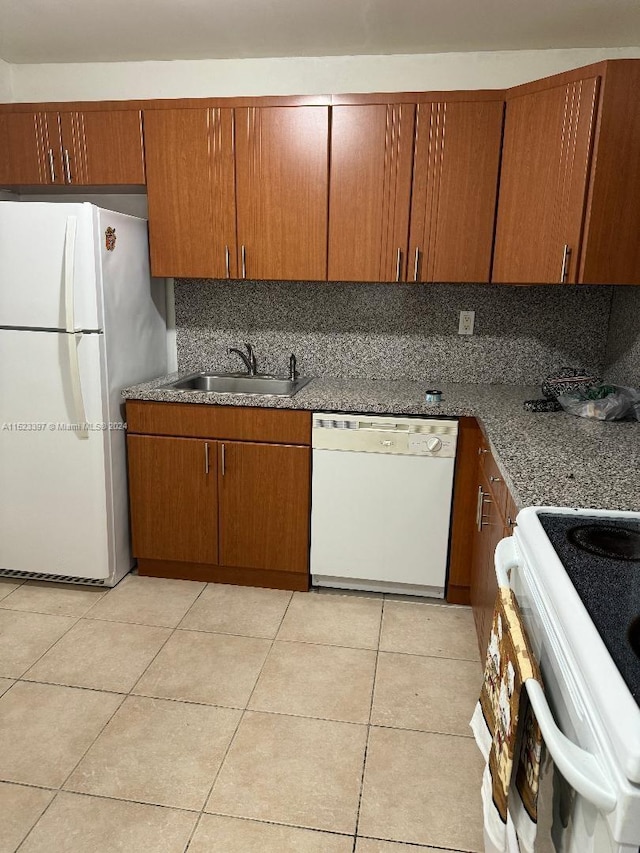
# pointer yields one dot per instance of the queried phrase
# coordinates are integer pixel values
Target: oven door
(578, 792)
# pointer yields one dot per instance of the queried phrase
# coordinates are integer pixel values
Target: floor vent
(38, 576)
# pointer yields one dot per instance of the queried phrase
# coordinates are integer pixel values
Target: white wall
(302, 75)
(6, 93)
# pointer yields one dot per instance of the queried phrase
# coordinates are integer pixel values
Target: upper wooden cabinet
(25, 149)
(413, 189)
(113, 149)
(191, 192)
(282, 179)
(71, 147)
(568, 208)
(547, 151)
(371, 162)
(455, 183)
(238, 193)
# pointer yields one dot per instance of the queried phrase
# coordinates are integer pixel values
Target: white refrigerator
(80, 319)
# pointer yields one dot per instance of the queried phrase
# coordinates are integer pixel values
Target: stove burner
(633, 635)
(612, 541)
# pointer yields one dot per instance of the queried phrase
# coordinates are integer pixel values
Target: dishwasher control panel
(381, 434)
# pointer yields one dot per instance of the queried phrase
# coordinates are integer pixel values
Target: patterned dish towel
(504, 726)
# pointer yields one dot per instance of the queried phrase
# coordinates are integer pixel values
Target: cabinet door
(463, 511)
(455, 183)
(173, 497)
(113, 147)
(73, 148)
(546, 159)
(264, 506)
(191, 192)
(30, 149)
(484, 586)
(371, 163)
(282, 163)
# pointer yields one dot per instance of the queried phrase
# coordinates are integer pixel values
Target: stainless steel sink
(240, 383)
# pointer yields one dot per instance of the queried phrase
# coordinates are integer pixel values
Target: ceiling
(36, 31)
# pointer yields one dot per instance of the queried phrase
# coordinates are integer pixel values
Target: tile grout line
(303, 827)
(235, 731)
(366, 746)
(419, 845)
(39, 658)
(37, 820)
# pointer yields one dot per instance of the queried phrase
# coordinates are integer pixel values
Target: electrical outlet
(467, 321)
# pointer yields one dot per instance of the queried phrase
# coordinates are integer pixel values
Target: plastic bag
(604, 402)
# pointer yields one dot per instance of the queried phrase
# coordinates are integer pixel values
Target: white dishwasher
(381, 502)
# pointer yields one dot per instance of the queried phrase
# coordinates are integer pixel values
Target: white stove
(581, 608)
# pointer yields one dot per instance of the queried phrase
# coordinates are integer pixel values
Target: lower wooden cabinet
(173, 492)
(264, 506)
(211, 508)
(495, 518)
(462, 512)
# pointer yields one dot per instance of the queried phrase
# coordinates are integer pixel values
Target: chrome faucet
(293, 369)
(249, 359)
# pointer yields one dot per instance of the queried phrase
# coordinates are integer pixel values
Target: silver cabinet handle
(398, 264)
(224, 466)
(67, 166)
(483, 519)
(566, 255)
(227, 260)
(51, 166)
(206, 457)
(495, 479)
(479, 508)
(243, 252)
(416, 264)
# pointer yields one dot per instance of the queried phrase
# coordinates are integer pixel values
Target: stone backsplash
(382, 331)
(622, 357)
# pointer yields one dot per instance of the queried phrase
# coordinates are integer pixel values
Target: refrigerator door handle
(69, 271)
(73, 340)
(73, 336)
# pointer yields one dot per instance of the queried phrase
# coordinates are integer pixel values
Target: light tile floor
(165, 716)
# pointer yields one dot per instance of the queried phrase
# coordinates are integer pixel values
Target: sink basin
(239, 383)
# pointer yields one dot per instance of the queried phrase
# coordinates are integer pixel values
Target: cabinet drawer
(201, 420)
(493, 477)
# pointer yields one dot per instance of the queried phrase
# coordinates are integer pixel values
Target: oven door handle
(505, 559)
(579, 767)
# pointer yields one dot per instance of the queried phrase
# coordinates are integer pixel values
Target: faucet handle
(252, 359)
(293, 373)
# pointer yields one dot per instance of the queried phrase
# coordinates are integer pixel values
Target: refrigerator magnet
(110, 239)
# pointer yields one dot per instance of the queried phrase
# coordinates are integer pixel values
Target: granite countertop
(547, 458)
